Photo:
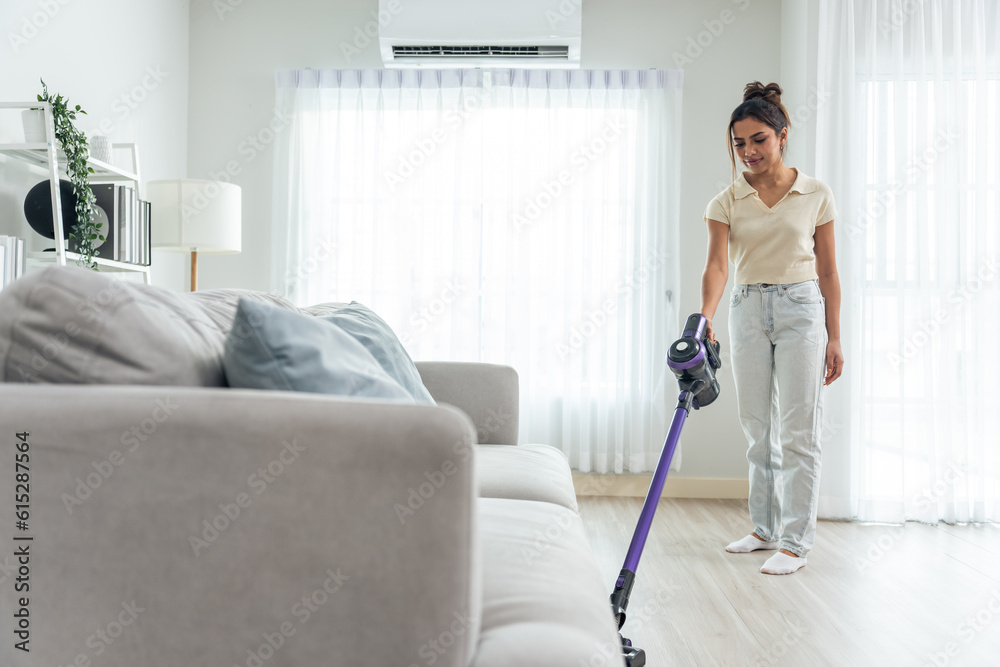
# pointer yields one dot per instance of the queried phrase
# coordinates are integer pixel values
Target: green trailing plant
(85, 233)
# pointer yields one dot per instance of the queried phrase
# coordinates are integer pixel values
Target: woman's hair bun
(771, 92)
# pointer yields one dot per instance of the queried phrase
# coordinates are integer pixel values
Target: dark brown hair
(761, 103)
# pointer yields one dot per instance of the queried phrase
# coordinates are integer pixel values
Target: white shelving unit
(47, 159)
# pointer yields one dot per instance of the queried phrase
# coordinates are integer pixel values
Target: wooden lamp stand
(194, 270)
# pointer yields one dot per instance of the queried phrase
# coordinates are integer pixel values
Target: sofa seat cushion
(544, 600)
(525, 472)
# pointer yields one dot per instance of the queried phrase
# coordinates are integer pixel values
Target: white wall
(125, 63)
(720, 44)
(209, 121)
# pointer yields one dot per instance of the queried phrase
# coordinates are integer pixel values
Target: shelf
(26, 147)
(23, 105)
(74, 257)
(46, 157)
(38, 155)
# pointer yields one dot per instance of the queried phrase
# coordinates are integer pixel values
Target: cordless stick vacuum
(694, 360)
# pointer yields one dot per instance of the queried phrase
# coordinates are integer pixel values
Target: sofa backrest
(70, 325)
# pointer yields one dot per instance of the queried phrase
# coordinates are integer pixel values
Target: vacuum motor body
(694, 360)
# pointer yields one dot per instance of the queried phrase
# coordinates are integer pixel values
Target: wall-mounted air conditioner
(480, 33)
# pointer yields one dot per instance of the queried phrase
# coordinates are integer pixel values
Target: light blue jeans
(778, 338)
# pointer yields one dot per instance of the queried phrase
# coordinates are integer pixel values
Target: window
(511, 216)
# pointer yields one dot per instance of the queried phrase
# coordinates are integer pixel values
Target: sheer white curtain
(909, 143)
(522, 217)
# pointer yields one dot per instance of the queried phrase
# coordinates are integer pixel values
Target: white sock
(781, 563)
(748, 544)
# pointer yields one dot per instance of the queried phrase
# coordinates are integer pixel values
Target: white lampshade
(190, 214)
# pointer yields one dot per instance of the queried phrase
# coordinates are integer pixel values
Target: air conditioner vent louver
(480, 52)
(497, 34)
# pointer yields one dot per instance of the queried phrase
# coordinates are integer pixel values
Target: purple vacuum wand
(694, 360)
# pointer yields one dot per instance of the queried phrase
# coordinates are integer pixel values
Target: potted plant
(73, 142)
(33, 121)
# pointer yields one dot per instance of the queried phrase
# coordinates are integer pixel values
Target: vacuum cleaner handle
(714, 354)
(697, 327)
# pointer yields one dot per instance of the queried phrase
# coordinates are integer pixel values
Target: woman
(775, 224)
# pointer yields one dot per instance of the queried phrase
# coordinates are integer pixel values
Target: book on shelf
(127, 236)
(124, 213)
(147, 240)
(104, 193)
(11, 259)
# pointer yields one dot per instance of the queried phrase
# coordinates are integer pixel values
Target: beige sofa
(173, 524)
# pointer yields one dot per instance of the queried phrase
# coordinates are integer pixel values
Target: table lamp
(195, 216)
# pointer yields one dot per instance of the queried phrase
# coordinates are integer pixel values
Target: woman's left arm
(829, 285)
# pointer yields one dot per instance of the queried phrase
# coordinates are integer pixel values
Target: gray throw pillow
(379, 339)
(273, 348)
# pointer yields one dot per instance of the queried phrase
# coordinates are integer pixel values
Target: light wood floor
(870, 594)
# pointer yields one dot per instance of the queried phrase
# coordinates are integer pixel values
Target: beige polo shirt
(773, 245)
